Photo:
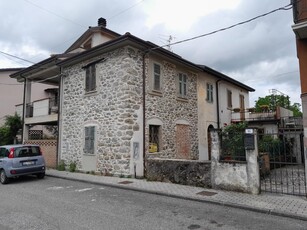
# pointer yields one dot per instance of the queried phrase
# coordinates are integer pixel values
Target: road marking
(55, 188)
(83, 190)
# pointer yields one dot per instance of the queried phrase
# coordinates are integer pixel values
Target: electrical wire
(11, 55)
(123, 11)
(287, 7)
(53, 13)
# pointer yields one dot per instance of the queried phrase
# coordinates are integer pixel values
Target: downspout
(23, 107)
(59, 117)
(144, 113)
(217, 103)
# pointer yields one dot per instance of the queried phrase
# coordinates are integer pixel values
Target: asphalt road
(53, 203)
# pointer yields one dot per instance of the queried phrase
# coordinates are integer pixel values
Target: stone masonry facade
(113, 109)
(170, 109)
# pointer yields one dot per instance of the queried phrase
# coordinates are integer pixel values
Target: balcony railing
(42, 107)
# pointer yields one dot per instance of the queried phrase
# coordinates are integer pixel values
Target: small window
(3, 152)
(90, 79)
(229, 99)
(89, 143)
(209, 92)
(154, 143)
(182, 85)
(156, 77)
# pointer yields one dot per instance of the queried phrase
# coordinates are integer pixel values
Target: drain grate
(125, 182)
(206, 193)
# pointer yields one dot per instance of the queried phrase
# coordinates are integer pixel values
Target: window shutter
(86, 142)
(87, 79)
(92, 139)
(157, 74)
(93, 78)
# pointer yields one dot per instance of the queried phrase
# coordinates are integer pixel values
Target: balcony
(300, 18)
(266, 116)
(44, 111)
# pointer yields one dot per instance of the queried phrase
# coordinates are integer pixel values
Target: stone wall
(186, 172)
(113, 109)
(170, 109)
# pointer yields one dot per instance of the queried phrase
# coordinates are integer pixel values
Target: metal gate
(282, 163)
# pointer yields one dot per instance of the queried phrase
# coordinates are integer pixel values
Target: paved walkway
(275, 204)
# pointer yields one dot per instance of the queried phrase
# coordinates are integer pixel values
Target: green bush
(61, 166)
(72, 167)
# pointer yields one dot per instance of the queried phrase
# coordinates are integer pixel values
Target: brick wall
(49, 149)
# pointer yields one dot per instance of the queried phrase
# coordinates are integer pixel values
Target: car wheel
(3, 177)
(41, 175)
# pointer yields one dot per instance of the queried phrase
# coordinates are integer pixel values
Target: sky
(260, 53)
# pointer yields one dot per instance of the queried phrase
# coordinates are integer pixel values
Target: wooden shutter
(89, 143)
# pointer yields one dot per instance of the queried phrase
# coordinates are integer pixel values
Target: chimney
(102, 22)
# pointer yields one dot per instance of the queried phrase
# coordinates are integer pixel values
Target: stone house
(123, 100)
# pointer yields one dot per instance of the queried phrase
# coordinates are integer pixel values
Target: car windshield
(27, 151)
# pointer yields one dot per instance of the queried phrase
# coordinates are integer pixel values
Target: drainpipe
(217, 103)
(144, 115)
(23, 107)
(59, 115)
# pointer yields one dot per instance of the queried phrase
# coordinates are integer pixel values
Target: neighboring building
(123, 100)
(300, 30)
(11, 93)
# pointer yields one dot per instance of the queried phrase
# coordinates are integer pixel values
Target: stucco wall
(225, 111)
(235, 176)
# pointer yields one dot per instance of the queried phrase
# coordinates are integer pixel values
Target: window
(89, 143)
(156, 77)
(209, 92)
(154, 143)
(90, 79)
(229, 99)
(182, 85)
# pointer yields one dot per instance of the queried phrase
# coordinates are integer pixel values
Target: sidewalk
(275, 204)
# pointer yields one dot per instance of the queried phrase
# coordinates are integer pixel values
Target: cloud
(261, 54)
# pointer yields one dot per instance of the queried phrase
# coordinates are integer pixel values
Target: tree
(272, 101)
(10, 129)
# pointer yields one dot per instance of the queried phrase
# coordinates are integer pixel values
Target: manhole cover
(125, 182)
(206, 193)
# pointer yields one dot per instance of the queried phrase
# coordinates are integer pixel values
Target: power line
(11, 55)
(123, 11)
(53, 13)
(287, 7)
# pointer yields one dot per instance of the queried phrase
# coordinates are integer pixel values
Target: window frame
(154, 77)
(90, 133)
(90, 78)
(229, 98)
(210, 90)
(157, 137)
(182, 85)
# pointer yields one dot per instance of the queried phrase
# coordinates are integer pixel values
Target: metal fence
(281, 161)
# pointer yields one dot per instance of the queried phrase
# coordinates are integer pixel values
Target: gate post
(251, 151)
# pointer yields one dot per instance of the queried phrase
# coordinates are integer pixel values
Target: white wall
(11, 93)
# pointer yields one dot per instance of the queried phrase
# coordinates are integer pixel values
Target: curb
(226, 204)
